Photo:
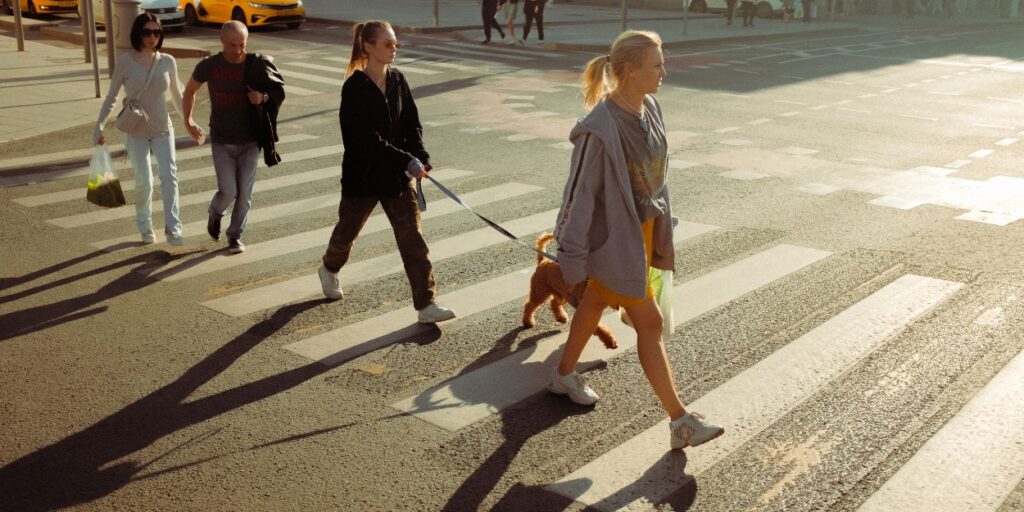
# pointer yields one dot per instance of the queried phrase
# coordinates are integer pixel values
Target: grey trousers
(235, 165)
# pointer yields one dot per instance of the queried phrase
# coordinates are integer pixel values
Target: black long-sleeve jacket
(381, 134)
(262, 75)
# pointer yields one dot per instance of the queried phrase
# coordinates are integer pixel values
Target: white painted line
(338, 70)
(743, 175)
(994, 218)
(933, 171)
(475, 130)
(204, 172)
(353, 272)
(922, 118)
(737, 62)
(956, 164)
(294, 90)
(563, 145)
(296, 75)
(448, 50)
(436, 64)
(732, 95)
(857, 110)
(945, 93)
(477, 65)
(500, 49)
(793, 150)
(889, 91)
(747, 71)
(539, 113)
(909, 86)
(928, 81)
(720, 130)
(1007, 141)
(793, 77)
(843, 102)
(999, 126)
(68, 195)
(818, 107)
(718, 64)
(900, 203)
(736, 142)
(678, 164)
(686, 89)
(697, 66)
(519, 105)
(790, 114)
(520, 98)
(1010, 100)
(520, 137)
(763, 120)
(868, 95)
(434, 124)
(97, 216)
(819, 189)
(310, 239)
(981, 153)
(837, 82)
(789, 102)
(642, 471)
(973, 462)
(462, 401)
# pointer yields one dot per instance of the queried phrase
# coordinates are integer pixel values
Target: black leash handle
(454, 197)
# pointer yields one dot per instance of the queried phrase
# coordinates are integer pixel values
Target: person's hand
(255, 97)
(102, 140)
(193, 130)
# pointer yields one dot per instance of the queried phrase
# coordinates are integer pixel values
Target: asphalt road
(848, 281)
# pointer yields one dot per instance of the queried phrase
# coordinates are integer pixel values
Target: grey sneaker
(148, 237)
(692, 430)
(174, 239)
(235, 245)
(434, 313)
(574, 386)
(330, 284)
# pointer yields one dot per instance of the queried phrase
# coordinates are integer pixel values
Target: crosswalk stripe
(192, 174)
(353, 340)
(299, 288)
(293, 90)
(513, 51)
(640, 472)
(95, 217)
(477, 53)
(462, 59)
(316, 238)
(180, 156)
(464, 400)
(290, 74)
(447, 65)
(257, 215)
(958, 469)
(338, 70)
(334, 69)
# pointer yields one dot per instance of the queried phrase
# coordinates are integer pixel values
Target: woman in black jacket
(383, 140)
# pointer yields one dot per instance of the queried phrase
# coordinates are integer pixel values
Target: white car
(765, 8)
(167, 11)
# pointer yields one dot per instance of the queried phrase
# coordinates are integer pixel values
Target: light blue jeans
(139, 151)
(235, 165)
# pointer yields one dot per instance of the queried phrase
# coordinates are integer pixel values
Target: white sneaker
(692, 430)
(176, 240)
(434, 313)
(149, 237)
(330, 284)
(574, 386)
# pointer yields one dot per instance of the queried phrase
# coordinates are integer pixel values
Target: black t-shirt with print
(230, 110)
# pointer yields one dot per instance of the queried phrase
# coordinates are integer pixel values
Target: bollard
(19, 28)
(119, 28)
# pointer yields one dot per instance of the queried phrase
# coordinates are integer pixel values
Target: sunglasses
(151, 32)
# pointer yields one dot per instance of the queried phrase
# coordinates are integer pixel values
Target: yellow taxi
(254, 13)
(34, 8)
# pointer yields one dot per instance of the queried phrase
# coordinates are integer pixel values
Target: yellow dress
(615, 300)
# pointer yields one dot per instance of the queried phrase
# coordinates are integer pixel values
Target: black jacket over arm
(262, 75)
(381, 134)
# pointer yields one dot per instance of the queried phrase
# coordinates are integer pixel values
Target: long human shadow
(89, 465)
(25, 321)
(11, 282)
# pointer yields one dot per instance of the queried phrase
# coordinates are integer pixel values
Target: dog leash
(423, 206)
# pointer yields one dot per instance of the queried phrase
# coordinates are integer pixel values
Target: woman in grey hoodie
(615, 221)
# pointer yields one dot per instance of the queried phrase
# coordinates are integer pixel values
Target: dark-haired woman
(380, 128)
(147, 75)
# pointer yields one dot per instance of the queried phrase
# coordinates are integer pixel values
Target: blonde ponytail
(594, 81)
(364, 32)
(628, 48)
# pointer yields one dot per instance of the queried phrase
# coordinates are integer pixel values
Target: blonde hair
(628, 48)
(365, 32)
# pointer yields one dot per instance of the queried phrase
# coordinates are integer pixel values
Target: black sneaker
(213, 227)
(235, 245)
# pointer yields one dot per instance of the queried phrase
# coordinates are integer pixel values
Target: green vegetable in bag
(103, 188)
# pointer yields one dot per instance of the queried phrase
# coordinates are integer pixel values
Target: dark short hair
(139, 24)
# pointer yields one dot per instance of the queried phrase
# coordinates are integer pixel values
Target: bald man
(234, 132)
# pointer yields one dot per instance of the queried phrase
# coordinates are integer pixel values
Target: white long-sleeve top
(130, 75)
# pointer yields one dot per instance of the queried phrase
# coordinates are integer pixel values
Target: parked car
(34, 8)
(765, 8)
(167, 11)
(253, 13)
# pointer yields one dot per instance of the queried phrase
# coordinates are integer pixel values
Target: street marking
(788, 102)
(868, 95)
(843, 102)
(188, 154)
(97, 216)
(563, 145)
(686, 89)
(299, 91)
(513, 51)
(434, 124)
(475, 130)
(1007, 141)
(793, 150)
(790, 114)
(641, 471)
(945, 93)
(519, 105)
(539, 113)
(819, 189)
(999, 126)
(1011, 100)
(720, 130)
(312, 78)
(733, 95)
(973, 462)
(793, 77)
(520, 137)
(899, 203)
(928, 81)
(743, 175)
(462, 401)
(736, 142)
(698, 66)
(838, 82)
(857, 110)
(675, 163)
(319, 67)
(446, 57)
(521, 98)
(818, 107)
(759, 121)
(933, 171)
(747, 71)
(994, 218)
(889, 91)
(922, 118)
(437, 64)
(449, 49)
(981, 153)
(306, 286)
(956, 164)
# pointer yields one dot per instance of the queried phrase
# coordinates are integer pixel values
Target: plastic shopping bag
(661, 285)
(103, 188)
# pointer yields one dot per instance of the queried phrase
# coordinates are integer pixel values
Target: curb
(28, 24)
(71, 36)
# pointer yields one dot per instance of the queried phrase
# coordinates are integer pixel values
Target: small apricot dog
(547, 281)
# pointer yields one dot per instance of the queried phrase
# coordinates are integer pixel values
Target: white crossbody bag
(132, 116)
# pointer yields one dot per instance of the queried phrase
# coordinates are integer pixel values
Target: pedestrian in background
(730, 9)
(806, 5)
(488, 10)
(510, 8)
(147, 76)
(383, 138)
(787, 10)
(234, 126)
(615, 222)
(534, 11)
(747, 11)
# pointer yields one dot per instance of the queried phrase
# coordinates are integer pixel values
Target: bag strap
(149, 77)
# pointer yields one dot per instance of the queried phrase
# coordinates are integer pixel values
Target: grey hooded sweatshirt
(598, 228)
